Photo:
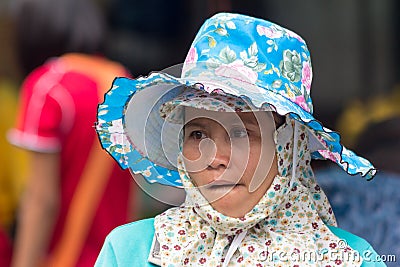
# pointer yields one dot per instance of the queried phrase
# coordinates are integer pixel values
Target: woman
(236, 131)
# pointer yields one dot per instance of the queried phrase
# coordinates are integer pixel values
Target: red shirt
(57, 114)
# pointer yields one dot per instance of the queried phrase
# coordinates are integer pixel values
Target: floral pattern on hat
(262, 58)
(113, 136)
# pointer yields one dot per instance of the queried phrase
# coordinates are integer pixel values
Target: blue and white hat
(259, 61)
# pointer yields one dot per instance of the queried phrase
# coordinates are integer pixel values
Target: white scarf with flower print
(286, 228)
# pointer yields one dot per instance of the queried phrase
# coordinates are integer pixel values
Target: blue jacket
(130, 244)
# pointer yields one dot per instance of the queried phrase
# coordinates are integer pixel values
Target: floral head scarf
(288, 223)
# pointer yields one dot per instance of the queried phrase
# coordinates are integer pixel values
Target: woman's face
(230, 157)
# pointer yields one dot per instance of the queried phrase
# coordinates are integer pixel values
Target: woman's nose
(222, 145)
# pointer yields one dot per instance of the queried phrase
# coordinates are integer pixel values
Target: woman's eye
(239, 133)
(197, 135)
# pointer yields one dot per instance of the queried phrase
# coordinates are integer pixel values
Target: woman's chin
(229, 210)
(230, 203)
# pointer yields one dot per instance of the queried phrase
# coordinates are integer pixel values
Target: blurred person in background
(74, 193)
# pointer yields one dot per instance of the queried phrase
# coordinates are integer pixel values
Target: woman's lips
(221, 184)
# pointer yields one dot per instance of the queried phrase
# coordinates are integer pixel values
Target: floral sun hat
(266, 65)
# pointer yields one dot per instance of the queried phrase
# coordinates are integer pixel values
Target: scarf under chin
(286, 227)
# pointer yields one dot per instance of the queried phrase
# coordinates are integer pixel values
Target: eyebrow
(201, 124)
(250, 122)
(194, 124)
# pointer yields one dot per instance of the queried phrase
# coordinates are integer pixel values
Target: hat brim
(131, 130)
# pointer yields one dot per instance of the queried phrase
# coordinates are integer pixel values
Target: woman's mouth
(222, 184)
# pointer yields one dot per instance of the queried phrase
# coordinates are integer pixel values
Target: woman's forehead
(200, 116)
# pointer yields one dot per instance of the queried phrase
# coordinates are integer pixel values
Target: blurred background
(356, 86)
(354, 44)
